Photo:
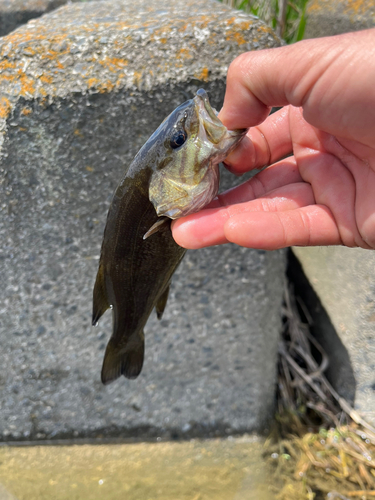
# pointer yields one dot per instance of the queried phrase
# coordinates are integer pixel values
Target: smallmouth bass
(175, 173)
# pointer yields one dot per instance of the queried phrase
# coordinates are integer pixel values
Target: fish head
(193, 141)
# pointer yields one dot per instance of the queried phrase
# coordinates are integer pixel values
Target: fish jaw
(189, 180)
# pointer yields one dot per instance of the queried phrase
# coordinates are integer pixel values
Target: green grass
(287, 18)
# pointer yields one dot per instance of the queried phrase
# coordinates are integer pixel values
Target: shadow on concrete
(340, 371)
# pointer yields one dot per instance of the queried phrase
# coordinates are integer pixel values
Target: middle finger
(280, 174)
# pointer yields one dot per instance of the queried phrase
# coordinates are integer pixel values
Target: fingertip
(183, 234)
(242, 158)
(199, 230)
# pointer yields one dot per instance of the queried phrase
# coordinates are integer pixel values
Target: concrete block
(14, 13)
(81, 90)
(332, 17)
(343, 279)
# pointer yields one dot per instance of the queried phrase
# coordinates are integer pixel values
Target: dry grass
(323, 448)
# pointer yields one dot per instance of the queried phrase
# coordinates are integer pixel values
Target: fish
(174, 174)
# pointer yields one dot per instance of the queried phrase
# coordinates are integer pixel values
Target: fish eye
(178, 138)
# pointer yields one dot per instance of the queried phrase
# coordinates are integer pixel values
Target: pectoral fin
(100, 301)
(161, 223)
(161, 303)
(123, 360)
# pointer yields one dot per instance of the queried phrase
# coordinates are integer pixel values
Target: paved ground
(201, 470)
(343, 279)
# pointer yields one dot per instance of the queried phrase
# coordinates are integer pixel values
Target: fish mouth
(206, 110)
(210, 125)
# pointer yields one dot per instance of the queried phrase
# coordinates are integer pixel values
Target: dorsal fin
(100, 301)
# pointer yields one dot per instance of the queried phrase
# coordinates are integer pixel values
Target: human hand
(324, 192)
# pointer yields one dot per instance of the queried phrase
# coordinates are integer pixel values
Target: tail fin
(100, 301)
(126, 362)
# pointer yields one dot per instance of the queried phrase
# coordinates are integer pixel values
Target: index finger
(330, 78)
(275, 77)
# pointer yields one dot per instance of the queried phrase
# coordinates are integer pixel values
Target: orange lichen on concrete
(92, 82)
(184, 53)
(6, 65)
(106, 86)
(316, 5)
(28, 51)
(11, 66)
(359, 7)
(231, 20)
(114, 63)
(347, 7)
(5, 107)
(237, 32)
(235, 36)
(199, 22)
(26, 111)
(27, 83)
(40, 61)
(203, 75)
(350, 8)
(46, 79)
(137, 78)
(264, 28)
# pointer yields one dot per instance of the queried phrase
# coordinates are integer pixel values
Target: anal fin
(100, 301)
(162, 302)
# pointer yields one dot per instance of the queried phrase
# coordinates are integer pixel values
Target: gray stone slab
(343, 278)
(333, 17)
(14, 13)
(82, 89)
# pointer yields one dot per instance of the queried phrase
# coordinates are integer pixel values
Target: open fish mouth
(211, 127)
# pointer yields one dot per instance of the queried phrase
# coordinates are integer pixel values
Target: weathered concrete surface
(82, 89)
(332, 17)
(14, 13)
(344, 280)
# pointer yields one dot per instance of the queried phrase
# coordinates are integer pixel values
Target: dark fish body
(135, 273)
